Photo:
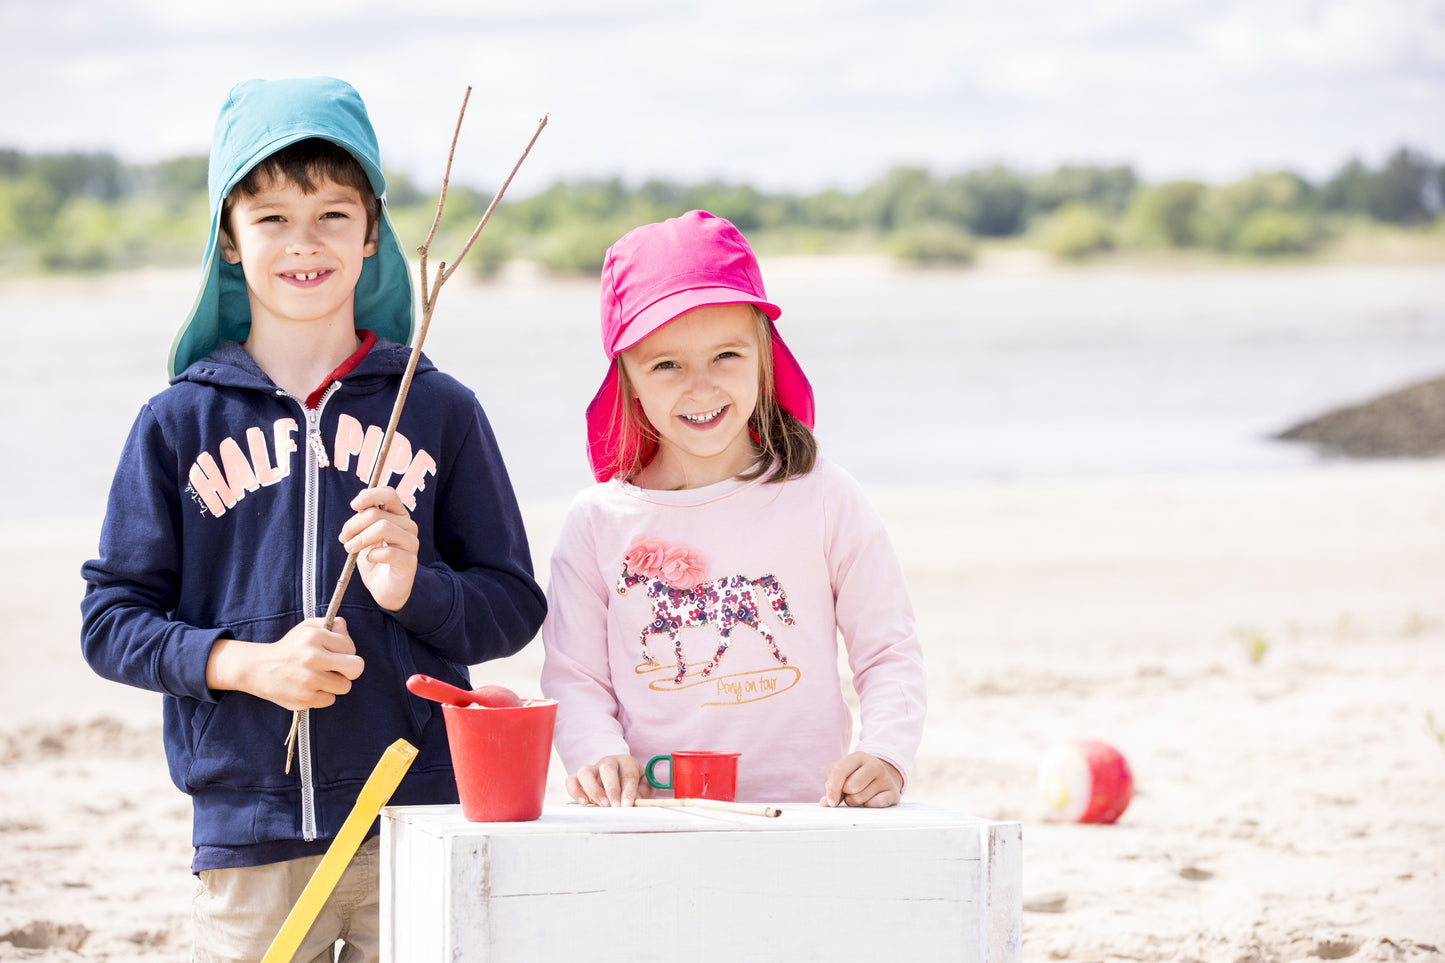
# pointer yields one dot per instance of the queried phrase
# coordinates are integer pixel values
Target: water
(921, 378)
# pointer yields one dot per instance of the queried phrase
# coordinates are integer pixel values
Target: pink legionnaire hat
(654, 274)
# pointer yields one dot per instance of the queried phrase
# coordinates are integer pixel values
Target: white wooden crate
(912, 882)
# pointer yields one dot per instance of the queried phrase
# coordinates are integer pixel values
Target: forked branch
(429, 299)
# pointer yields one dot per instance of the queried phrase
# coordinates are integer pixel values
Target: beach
(1263, 640)
(1287, 802)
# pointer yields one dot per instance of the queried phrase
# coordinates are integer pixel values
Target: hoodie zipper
(315, 461)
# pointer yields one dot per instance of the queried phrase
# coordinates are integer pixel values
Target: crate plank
(812, 884)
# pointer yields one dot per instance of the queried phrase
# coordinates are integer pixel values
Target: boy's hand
(383, 536)
(614, 781)
(859, 779)
(307, 668)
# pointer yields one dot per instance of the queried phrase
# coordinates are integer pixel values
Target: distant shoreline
(993, 259)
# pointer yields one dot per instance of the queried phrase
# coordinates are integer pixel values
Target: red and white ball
(1085, 781)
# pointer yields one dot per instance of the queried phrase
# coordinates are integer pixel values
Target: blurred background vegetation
(89, 212)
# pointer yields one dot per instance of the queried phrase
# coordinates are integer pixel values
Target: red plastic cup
(698, 775)
(500, 758)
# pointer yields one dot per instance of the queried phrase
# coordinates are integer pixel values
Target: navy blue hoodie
(223, 521)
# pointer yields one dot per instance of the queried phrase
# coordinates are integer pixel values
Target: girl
(698, 592)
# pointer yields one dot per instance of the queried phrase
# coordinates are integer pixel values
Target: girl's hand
(614, 781)
(383, 536)
(859, 779)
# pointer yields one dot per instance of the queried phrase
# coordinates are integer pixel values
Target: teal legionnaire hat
(259, 118)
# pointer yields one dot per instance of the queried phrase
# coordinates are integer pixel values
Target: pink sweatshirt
(753, 583)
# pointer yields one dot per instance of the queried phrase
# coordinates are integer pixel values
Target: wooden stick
(429, 300)
(772, 812)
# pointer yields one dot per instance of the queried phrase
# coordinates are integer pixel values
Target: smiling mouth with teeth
(303, 276)
(704, 418)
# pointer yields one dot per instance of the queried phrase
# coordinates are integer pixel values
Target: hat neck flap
(258, 119)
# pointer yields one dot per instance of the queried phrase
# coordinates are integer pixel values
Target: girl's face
(697, 381)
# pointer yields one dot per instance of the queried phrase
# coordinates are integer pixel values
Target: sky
(795, 95)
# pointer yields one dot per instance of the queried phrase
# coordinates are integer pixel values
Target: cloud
(796, 95)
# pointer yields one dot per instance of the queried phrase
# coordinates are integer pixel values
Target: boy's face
(301, 253)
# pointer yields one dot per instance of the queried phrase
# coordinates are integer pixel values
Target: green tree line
(92, 212)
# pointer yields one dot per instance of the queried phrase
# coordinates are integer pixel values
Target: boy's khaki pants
(238, 912)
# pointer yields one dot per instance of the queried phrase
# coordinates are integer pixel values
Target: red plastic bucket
(500, 758)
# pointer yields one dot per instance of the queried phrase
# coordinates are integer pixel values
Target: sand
(1267, 649)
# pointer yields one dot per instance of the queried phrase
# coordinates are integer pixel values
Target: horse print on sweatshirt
(681, 598)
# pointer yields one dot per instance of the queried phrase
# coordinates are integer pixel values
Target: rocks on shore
(1407, 423)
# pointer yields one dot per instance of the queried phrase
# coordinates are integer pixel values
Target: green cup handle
(648, 772)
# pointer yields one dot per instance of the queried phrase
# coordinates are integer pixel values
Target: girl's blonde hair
(781, 439)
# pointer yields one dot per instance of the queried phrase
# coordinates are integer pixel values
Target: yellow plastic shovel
(378, 789)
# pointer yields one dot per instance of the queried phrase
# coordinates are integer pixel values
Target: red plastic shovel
(491, 696)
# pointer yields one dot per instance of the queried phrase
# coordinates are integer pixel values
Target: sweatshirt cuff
(888, 756)
(430, 606)
(181, 668)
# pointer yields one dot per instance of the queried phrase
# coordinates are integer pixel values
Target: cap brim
(670, 308)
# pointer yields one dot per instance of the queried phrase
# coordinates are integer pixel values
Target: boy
(239, 494)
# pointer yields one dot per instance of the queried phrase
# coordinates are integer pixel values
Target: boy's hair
(779, 436)
(306, 163)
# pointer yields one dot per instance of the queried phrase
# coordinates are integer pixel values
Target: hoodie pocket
(400, 646)
(239, 740)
